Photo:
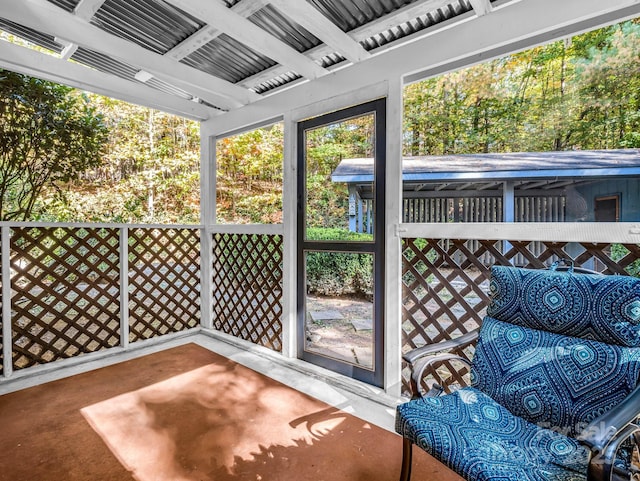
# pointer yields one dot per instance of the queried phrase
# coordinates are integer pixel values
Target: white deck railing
(65, 297)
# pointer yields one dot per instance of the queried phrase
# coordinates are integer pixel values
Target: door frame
(377, 247)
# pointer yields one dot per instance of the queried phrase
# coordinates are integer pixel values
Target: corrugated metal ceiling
(152, 24)
(228, 59)
(68, 5)
(106, 64)
(284, 29)
(428, 19)
(350, 14)
(159, 26)
(30, 35)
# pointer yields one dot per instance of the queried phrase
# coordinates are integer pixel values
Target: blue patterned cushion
(555, 381)
(481, 440)
(598, 307)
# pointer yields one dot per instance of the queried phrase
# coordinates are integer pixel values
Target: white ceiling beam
(511, 27)
(30, 62)
(382, 24)
(43, 16)
(244, 8)
(309, 17)
(224, 19)
(193, 43)
(86, 9)
(481, 7)
(68, 50)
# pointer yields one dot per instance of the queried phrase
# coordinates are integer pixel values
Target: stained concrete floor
(364, 402)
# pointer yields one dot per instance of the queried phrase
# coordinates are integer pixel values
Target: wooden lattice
(247, 287)
(446, 281)
(164, 281)
(65, 293)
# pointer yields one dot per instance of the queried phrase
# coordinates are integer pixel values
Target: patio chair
(554, 391)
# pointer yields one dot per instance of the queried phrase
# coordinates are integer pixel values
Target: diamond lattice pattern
(65, 292)
(164, 281)
(445, 284)
(247, 287)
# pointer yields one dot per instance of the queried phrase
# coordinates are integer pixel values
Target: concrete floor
(359, 399)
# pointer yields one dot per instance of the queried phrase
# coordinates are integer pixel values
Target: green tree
(582, 92)
(150, 171)
(249, 176)
(608, 76)
(328, 201)
(49, 134)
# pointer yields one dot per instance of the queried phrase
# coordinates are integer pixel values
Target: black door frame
(377, 247)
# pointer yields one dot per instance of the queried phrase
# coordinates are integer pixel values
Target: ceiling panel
(228, 59)
(152, 24)
(350, 14)
(281, 27)
(120, 69)
(428, 19)
(68, 5)
(33, 36)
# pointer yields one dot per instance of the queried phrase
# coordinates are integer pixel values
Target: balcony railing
(446, 268)
(71, 290)
(82, 289)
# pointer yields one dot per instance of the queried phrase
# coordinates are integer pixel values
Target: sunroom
(80, 297)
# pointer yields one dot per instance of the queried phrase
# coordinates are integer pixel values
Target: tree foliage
(150, 171)
(327, 202)
(582, 93)
(577, 94)
(249, 176)
(49, 134)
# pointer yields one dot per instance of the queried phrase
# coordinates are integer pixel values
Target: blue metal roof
(495, 167)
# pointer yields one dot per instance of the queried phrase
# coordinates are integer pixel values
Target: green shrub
(339, 273)
(619, 251)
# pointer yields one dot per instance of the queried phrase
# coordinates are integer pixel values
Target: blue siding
(583, 199)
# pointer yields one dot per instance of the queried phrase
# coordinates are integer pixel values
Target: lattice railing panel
(164, 281)
(247, 287)
(446, 281)
(65, 292)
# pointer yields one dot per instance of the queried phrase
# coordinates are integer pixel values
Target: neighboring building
(566, 186)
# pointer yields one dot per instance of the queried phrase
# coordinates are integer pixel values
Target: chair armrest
(603, 429)
(412, 356)
(604, 435)
(602, 465)
(421, 365)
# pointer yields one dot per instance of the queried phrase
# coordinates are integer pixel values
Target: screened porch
(81, 297)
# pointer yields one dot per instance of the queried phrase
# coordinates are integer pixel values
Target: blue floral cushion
(481, 440)
(555, 381)
(598, 307)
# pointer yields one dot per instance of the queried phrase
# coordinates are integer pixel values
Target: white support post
(289, 245)
(207, 219)
(206, 295)
(353, 208)
(508, 208)
(208, 166)
(124, 287)
(7, 338)
(508, 202)
(393, 247)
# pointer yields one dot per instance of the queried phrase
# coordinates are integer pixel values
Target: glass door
(341, 167)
